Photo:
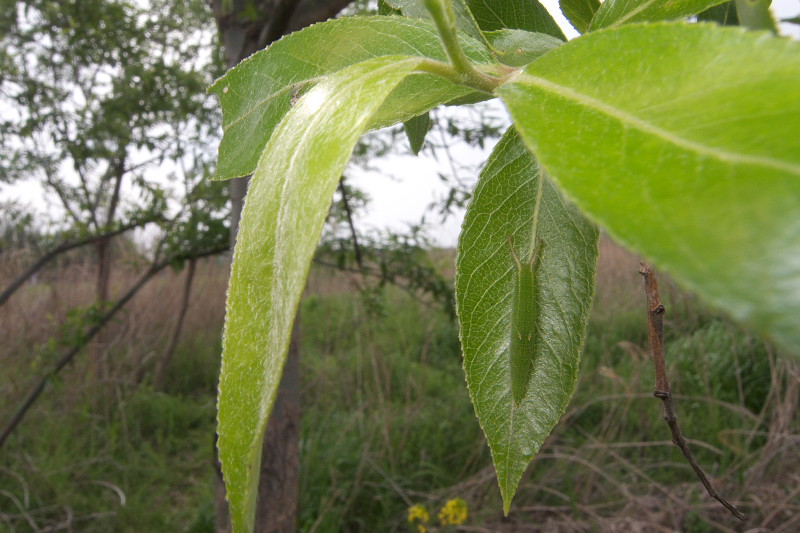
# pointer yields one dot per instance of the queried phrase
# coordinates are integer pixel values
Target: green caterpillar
(524, 319)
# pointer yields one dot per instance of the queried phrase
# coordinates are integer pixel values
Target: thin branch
(60, 249)
(349, 213)
(655, 333)
(94, 330)
(62, 195)
(118, 171)
(162, 366)
(366, 271)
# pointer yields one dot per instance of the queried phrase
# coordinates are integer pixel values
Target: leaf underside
(682, 141)
(502, 206)
(285, 209)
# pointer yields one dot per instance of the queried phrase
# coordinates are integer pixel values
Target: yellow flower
(418, 514)
(454, 512)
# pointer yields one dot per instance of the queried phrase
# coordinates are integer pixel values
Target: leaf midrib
(635, 122)
(630, 14)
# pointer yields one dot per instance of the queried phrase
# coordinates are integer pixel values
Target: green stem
(481, 82)
(445, 20)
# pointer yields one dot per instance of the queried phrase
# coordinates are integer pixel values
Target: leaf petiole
(465, 73)
(479, 81)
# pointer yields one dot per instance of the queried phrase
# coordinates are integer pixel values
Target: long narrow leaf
(284, 213)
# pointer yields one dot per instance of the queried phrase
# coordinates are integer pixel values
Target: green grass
(387, 423)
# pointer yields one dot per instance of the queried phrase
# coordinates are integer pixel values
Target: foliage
(107, 98)
(648, 129)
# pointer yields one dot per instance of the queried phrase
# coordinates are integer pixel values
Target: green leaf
(465, 22)
(384, 8)
(286, 207)
(503, 205)
(579, 12)
(723, 14)
(683, 142)
(259, 91)
(618, 12)
(755, 14)
(528, 15)
(416, 129)
(517, 48)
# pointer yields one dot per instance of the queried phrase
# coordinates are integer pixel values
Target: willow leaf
(684, 144)
(513, 199)
(285, 209)
(258, 92)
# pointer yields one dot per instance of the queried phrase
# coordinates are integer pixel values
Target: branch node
(655, 334)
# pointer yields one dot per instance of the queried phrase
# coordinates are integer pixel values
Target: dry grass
(602, 470)
(134, 338)
(619, 285)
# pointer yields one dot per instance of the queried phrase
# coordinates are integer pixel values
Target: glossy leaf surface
(517, 48)
(285, 209)
(683, 142)
(579, 12)
(528, 15)
(258, 92)
(503, 206)
(618, 12)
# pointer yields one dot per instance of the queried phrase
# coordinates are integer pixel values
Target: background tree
(96, 122)
(107, 118)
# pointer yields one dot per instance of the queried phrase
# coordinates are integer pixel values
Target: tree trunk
(96, 359)
(242, 34)
(279, 482)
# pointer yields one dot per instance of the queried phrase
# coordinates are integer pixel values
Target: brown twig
(349, 213)
(62, 248)
(655, 332)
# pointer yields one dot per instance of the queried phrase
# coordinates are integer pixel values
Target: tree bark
(279, 482)
(278, 488)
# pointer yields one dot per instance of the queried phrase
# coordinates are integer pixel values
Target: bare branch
(94, 330)
(655, 333)
(353, 233)
(60, 249)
